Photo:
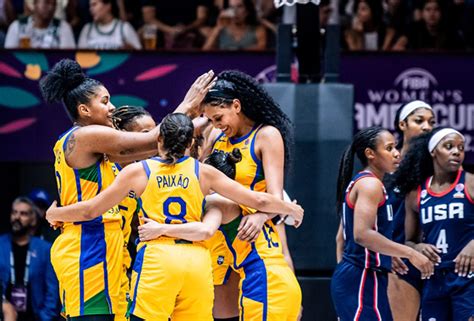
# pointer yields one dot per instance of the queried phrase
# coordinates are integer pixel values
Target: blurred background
(335, 68)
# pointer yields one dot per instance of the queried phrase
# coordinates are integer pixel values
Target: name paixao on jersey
(165, 181)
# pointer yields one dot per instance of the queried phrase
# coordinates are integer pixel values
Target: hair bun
(64, 77)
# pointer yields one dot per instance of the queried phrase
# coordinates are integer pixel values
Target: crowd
(230, 24)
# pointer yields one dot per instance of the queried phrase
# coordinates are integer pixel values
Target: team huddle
(410, 212)
(207, 191)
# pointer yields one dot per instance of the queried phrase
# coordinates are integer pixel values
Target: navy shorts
(448, 297)
(413, 277)
(360, 294)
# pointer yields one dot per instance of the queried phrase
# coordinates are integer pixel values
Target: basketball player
(131, 119)
(440, 221)
(404, 289)
(86, 256)
(269, 289)
(171, 189)
(244, 116)
(359, 283)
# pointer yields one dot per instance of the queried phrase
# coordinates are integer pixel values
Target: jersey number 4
(441, 242)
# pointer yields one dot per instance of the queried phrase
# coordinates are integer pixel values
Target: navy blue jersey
(355, 253)
(398, 205)
(447, 218)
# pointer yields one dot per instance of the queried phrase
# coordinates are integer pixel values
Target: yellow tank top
(249, 171)
(173, 194)
(75, 185)
(267, 246)
(128, 207)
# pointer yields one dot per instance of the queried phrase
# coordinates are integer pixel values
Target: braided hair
(67, 83)
(225, 162)
(177, 133)
(124, 116)
(256, 103)
(366, 138)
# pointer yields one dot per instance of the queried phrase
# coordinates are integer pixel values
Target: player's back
(173, 194)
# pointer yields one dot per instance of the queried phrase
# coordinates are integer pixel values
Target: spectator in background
(40, 30)
(431, 32)
(7, 15)
(397, 16)
(106, 31)
(368, 32)
(180, 22)
(25, 267)
(42, 229)
(237, 28)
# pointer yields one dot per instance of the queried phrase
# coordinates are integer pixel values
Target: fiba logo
(415, 79)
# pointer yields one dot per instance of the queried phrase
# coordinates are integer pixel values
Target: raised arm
(218, 182)
(131, 178)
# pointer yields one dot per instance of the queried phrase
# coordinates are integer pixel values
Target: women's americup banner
(158, 81)
(383, 82)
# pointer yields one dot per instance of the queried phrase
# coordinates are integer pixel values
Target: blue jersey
(398, 205)
(447, 218)
(355, 253)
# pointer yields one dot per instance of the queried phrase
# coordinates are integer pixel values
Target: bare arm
(261, 36)
(269, 144)
(131, 178)
(218, 182)
(193, 231)
(369, 195)
(339, 243)
(201, 16)
(413, 230)
(212, 40)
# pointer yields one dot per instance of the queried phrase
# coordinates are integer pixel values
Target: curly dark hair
(416, 165)
(256, 104)
(366, 138)
(225, 162)
(124, 116)
(67, 83)
(177, 133)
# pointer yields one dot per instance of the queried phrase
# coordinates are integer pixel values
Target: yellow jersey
(173, 194)
(249, 171)
(75, 185)
(267, 246)
(128, 207)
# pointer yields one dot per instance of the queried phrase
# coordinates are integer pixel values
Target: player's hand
(196, 93)
(297, 212)
(150, 230)
(430, 251)
(50, 215)
(398, 266)
(422, 263)
(465, 260)
(250, 226)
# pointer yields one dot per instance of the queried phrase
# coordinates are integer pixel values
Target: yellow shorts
(87, 259)
(269, 291)
(124, 299)
(221, 258)
(172, 279)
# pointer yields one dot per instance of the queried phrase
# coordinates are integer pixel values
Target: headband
(436, 138)
(411, 107)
